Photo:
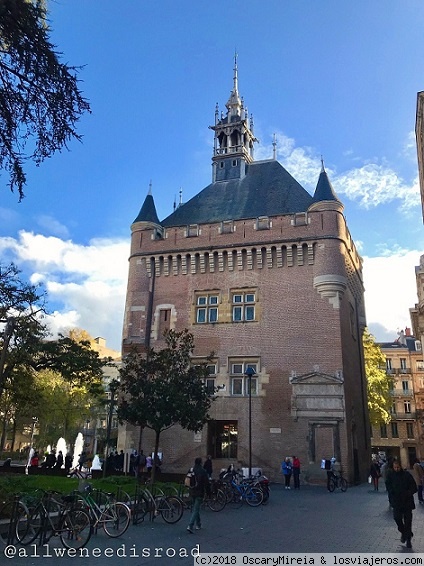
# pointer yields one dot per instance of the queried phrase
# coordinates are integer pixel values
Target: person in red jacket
(296, 472)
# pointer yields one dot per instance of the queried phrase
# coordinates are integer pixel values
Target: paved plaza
(308, 520)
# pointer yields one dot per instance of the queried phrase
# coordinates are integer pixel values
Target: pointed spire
(324, 192)
(148, 210)
(274, 147)
(235, 77)
(234, 103)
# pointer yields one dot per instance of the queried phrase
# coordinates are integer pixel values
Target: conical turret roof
(148, 211)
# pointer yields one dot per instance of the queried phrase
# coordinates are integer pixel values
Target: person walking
(296, 472)
(401, 487)
(287, 468)
(197, 493)
(149, 465)
(375, 473)
(418, 475)
(208, 466)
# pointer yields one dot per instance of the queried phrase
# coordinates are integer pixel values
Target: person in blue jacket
(287, 469)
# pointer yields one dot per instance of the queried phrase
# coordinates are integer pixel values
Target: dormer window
(192, 230)
(262, 223)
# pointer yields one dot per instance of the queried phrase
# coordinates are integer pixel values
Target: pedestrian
(142, 461)
(82, 460)
(149, 465)
(401, 487)
(35, 460)
(197, 493)
(375, 473)
(208, 466)
(287, 468)
(59, 460)
(68, 462)
(296, 472)
(418, 474)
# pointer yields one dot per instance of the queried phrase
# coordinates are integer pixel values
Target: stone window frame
(243, 307)
(205, 303)
(237, 367)
(212, 365)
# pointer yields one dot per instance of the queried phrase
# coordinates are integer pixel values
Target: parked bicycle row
(36, 517)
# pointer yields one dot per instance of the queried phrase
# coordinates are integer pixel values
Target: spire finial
(274, 147)
(150, 188)
(235, 79)
(322, 164)
(181, 196)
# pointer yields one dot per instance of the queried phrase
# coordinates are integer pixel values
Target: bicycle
(80, 474)
(245, 491)
(10, 510)
(112, 515)
(337, 480)
(155, 502)
(54, 517)
(215, 499)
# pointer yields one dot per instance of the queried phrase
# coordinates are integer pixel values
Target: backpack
(190, 479)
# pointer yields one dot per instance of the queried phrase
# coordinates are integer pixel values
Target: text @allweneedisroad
(44, 551)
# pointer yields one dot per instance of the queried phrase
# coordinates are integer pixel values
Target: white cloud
(52, 226)
(86, 284)
(370, 185)
(390, 291)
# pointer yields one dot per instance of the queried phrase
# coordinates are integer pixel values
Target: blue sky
(330, 78)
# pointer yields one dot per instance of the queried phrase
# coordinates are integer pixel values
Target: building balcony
(403, 416)
(402, 392)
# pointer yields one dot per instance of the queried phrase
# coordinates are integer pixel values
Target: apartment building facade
(403, 437)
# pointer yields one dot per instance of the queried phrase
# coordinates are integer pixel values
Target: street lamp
(250, 372)
(113, 386)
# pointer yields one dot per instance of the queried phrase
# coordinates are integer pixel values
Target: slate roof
(266, 190)
(148, 211)
(324, 190)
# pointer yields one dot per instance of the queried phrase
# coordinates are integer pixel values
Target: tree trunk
(155, 455)
(12, 444)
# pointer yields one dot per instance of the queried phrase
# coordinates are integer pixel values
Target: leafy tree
(163, 388)
(22, 307)
(378, 382)
(40, 102)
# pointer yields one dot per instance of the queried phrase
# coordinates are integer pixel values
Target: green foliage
(163, 388)
(39, 96)
(378, 382)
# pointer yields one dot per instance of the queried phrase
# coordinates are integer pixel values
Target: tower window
(243, 307)
(221, 165)
(207, 309)
(235, 162)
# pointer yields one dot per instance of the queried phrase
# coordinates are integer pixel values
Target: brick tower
(268, 278)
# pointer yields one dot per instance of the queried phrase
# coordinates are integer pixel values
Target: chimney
(407, 331)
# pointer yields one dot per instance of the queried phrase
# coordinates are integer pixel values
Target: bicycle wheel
(10, 520)
(29, 524)
(343, 484)
(254, 496)
(236, 501)
(332, 485)
(265, 491)
(171, 509)
(217, 501)
(116, 519)
(75, 529)
(228, 491)
(140, 508)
